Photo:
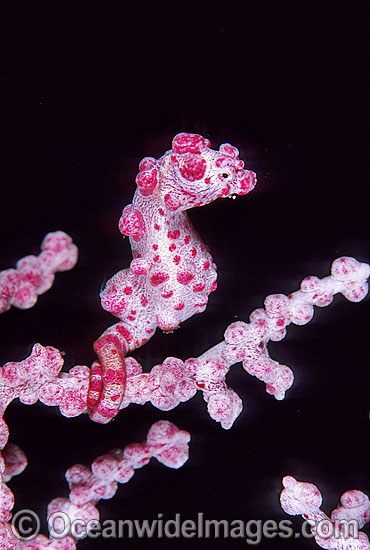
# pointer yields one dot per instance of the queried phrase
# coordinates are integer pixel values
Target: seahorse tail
(108, 374)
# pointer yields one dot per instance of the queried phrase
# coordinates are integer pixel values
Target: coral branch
(166, 385)
(34, 275)
(340, 531)
(38, 377)
(164, 441)
(174, 381)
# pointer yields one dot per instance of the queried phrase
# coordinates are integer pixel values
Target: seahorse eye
(224, 175)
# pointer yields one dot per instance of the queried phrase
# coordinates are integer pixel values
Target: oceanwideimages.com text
(26, 526)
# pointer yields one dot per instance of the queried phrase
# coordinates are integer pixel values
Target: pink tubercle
(175, 234)
(158, 278)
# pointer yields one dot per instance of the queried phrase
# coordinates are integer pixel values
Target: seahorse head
(192, 174)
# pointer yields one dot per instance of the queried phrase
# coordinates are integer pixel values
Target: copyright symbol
(25, 525)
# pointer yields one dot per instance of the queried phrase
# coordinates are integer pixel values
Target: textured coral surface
(164, 441)
(39, 376)
(302, 498)
(34, 275)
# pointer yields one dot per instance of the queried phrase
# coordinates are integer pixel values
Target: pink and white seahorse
(171, 274)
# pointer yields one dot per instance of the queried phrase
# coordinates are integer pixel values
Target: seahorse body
(171, 274)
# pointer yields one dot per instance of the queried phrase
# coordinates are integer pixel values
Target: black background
(87, 92)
